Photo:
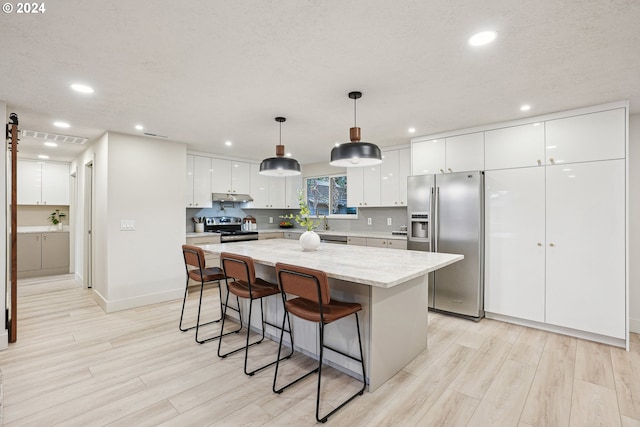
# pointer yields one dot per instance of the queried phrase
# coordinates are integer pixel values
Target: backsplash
(38, 215)
(378, 218)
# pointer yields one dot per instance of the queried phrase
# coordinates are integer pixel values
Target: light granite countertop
(379, 267)
(372, 234)
(42, 229)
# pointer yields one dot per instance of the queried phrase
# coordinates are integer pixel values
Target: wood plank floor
(75, 365)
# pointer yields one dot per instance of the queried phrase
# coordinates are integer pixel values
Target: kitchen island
(390, 284)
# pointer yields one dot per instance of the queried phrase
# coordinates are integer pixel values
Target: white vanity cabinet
(515, 146)
(586, 137)
(198, 184)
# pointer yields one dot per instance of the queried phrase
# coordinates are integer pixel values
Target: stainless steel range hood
(231, 197)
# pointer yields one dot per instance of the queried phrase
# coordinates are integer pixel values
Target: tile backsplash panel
(37, 215)
(378, 218)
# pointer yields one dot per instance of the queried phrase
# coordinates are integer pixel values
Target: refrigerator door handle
(431, 238)
(436, 219)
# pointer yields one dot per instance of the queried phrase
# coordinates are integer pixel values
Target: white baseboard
(634, 326)
(4, 340)
(110, 306)
(617, 342)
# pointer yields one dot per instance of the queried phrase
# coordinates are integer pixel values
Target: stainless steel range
(230, 229)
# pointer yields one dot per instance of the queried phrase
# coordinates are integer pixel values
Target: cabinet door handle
(551, 244)
(553, 162)
(44, 237)
(449, 169)
(539, 244)
(539, 162)
(441, 170)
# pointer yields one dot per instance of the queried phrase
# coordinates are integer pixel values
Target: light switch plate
(127, 225)
(369, 221)
(389, 221)
(270, 220)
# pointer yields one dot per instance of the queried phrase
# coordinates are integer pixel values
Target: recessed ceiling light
(82, 88)
(525, 107)
(412, 130)
(228, 143)
(50, 144)
(62, 124)
(288, 154)
(482, 38)
(43, 156)
(139, 127)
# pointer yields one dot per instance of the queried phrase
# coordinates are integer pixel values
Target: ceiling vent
(53, 137)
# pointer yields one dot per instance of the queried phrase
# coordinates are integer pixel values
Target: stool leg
(184, 300)
(275, 376)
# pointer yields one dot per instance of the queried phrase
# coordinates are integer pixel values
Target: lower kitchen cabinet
(555, 246)
(43, 254)
(206, 239)
(273, 235)
(377, 242)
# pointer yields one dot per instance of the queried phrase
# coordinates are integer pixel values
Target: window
(327, 195)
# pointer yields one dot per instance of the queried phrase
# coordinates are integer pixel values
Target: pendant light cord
(355, 123)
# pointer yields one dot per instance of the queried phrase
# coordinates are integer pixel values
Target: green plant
(56, 217)
(304, 216)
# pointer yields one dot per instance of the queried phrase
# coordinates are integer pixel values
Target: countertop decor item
(309, 239)
(280, 165)
(356, 153)
(56, 217)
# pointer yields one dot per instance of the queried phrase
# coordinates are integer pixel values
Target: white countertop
(379, 267)
(43, 229)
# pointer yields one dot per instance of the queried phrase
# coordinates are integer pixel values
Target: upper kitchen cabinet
(293, 184)
(586, 137)
(364, 186)
(230, 176)
(445, 155)
(198, 189)
(515, 147)
(266, 191)
(42, 183)
(465, 152)
(428, 157)
(394, 171)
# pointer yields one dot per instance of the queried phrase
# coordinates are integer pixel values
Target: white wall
(4, 337)
(138, 179)
(634, 222)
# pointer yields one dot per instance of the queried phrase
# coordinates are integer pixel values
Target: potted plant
(56, 218)
(309, 239)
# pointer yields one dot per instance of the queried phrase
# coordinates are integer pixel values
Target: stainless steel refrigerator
(446, 214)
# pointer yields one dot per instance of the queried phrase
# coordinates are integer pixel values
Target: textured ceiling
(203, 72)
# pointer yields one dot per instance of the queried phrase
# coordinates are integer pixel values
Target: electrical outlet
(389, 221)
(270, 220)
(369, 221)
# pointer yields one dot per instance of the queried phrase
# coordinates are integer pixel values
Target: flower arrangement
(56, 217)
(304, 216)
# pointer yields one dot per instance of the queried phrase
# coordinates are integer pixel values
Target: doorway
(88, 225)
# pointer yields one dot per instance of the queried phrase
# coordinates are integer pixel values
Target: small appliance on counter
(230, 229)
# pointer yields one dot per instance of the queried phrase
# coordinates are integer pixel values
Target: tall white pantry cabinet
(556, 221)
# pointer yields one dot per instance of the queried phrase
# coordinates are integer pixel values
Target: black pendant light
(280, 165)
(355, 153)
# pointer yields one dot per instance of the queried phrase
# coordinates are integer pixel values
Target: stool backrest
(193, 256)
(239, 267)
(306, 283)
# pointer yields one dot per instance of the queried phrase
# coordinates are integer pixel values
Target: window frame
(330, 216)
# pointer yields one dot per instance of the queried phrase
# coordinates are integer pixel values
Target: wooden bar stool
(246, 285)
(314, 304)
(195, 267)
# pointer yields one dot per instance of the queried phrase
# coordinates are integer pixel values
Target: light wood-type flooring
(74, 365)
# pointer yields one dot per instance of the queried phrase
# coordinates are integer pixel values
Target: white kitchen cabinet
(428, 157)
(266, 191)
(393, 173)
(293, 184)
(230, 176)
(586, 137)
(515, 243)
(42, 183)
(277, 192)
(363, 186)
(355, 189)
(198, 187)
(515, 147)
(585, 252)
(465, 152)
